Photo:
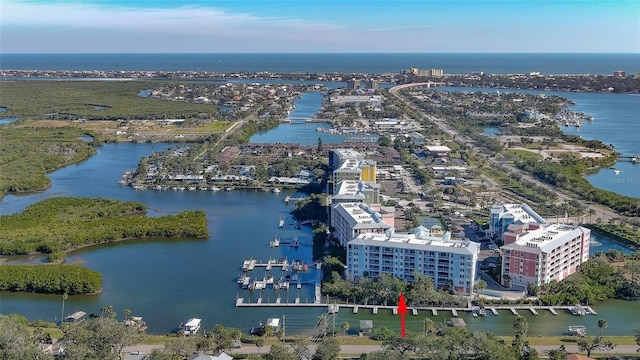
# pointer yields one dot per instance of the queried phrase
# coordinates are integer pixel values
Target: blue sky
(369, 26)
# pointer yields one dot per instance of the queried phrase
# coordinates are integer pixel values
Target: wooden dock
(355, 308)
(249, 265)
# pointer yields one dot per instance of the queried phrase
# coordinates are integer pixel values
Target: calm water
(615, 123)
(306, 107)
(331, 63)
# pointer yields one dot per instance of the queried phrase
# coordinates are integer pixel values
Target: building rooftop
(362, 216)
(519, 212)
(547, 237)
(412, 241)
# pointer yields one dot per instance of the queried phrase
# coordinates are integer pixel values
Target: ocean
(521, 63)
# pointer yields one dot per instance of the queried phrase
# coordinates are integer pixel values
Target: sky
(320, 26)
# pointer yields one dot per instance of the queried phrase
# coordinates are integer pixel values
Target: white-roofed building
(540, 253)
(501, 216)
(351, 219)
(448, 262)
(439, 150)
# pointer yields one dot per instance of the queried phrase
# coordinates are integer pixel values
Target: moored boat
(191, 327)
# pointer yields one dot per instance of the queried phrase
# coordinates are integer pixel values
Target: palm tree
(345, 327)
(602, 324)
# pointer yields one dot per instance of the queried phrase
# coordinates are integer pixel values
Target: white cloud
(186, 20)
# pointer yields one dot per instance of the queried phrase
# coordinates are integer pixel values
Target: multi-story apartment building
(501, 216)
(347, 164)
(356, 191)
(351, 219)
(540, 253)
(450, 263)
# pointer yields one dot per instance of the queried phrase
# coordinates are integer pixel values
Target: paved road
(359, 349)
(603, 212)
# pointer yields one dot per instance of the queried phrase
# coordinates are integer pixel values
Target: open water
(331, 63)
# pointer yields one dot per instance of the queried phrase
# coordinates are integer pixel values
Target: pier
(249, 265)
(635, 159)
(355, 308)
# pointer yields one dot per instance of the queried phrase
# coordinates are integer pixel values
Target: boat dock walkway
(249, 265)
(355, 308)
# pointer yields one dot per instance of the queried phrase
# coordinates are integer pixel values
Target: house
(366, 326)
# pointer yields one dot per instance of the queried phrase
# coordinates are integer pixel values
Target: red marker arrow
(402, 309)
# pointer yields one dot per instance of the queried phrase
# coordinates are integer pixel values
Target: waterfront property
(351, 219)
(501, 216)
(450, 263)
(540, 253)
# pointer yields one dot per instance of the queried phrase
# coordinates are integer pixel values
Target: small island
(59, 225)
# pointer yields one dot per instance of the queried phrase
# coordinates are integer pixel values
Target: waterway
(169, 281)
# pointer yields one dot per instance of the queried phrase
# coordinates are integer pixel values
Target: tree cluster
(386, 289)
(27, 154)
(50, 279)
(596, 280)
(63, 224)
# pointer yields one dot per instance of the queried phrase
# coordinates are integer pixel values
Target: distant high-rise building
(620, 74)
(353, 84)
(372, 84)
(429, 72)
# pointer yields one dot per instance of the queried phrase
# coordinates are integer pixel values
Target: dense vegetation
(50, 279)
(62, 224)
(608, 275)
(99, 100)
(386, 289)
(568, 174)
(27, 154)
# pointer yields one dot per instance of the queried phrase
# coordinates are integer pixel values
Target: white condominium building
(501, 216)
(541, 253)
(351, 219)
(450, 263)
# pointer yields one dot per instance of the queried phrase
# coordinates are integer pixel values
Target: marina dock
(355, 308)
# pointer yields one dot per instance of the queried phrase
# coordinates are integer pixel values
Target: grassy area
(79, 99)
(525, 154)
(567, 340)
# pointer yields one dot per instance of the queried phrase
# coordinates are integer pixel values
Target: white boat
(191, 327)
(281, 223)
(616, 171)
(276, 190)
(275, 242)
(578, 310)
